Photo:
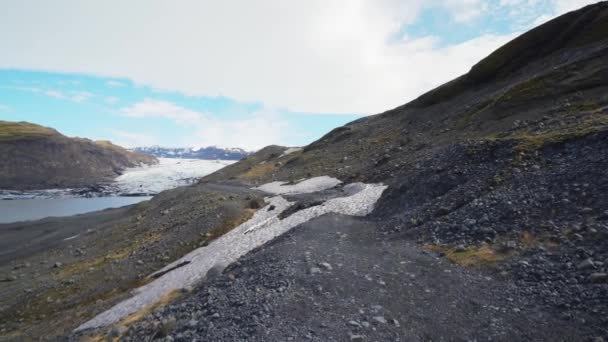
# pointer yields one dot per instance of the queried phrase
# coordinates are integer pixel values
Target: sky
(194, 73)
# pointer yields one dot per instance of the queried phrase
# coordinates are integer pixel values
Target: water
(35, 209)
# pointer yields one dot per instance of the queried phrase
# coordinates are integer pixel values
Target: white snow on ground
(305, 186)
(261, 228)
(290, 150)
(167, 174)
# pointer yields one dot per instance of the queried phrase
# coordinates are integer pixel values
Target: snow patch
(306, 186)
(290, 150)
(264, 226)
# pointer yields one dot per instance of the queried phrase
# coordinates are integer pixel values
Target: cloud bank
(338, 56)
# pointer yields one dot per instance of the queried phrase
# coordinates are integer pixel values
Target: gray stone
(460, 248)
(354, 324)
(470, 222)
(598, 277)
(314, 270)
(57, 265)
(356, 338)
(325, 265)
(379, 319)
(586, 264)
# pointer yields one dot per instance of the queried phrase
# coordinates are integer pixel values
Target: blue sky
(124, 112)
(200, 73)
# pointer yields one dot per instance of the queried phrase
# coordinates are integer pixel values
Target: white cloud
(111, 100)
(70, 95)
(563, 6)
(4, 108)
(252, 131)
(313, 56)
(132, 139)
(115, 84)
(466, 10)
(163, 109)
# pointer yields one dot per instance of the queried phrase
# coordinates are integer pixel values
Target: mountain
(493, 224)
(207, 153)
(37, 157)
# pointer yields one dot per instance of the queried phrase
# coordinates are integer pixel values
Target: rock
(314, 270)
(379, 319)
(116, 332)
(167, 325)
(354, 324)
(256, 203)
(460, 248)
(10, 278)
(598, 277)
(164, 212)
(140, 262)
(57, 265)
(442, 211)
(470, 222)
(356, 338)
(216, 315)
(586, 264)
(325, 265)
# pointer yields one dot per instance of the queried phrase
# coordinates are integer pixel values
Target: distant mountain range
(209, 153)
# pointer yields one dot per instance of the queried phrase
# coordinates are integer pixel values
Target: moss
(23, 130)
(482, 255)
(258, 171)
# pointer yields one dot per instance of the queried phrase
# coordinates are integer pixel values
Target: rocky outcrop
(37, 157)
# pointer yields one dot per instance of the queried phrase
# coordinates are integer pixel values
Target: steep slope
(206, 153)
(548, 85)
(502, 169)
(37, 157)
(493, 226)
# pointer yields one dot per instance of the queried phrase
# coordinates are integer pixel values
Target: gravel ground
(336, 278)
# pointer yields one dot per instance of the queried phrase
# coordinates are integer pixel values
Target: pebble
(326, 266)
(379, 319)
(314, 270)
(598, 277)
(356, 338)
(586, 264)
(354, 324)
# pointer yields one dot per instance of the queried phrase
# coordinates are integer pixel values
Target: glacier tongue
(169, 173)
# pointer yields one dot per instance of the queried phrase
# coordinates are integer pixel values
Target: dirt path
(336, 278)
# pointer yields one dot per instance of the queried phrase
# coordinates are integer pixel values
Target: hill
(493, 224)
(37, 157)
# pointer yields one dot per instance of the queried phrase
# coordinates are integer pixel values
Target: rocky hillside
(502, 169)
(206, 153)
(37, 157)
(494, 224)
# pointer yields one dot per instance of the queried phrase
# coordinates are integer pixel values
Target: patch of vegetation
(23, 130)
(258, 172)
(483, 255)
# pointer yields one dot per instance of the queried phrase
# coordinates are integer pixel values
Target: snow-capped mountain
(208, 153)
